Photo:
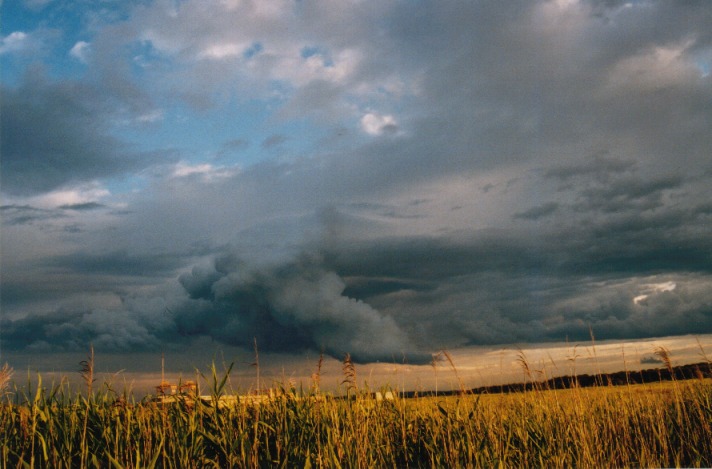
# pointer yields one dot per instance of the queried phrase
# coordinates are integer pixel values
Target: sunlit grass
(654, 425)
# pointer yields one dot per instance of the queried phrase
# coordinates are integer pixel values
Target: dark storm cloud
(672, 241)
(19, 289)
(503, 289)
(118, 263)
(600, 167)
(79, 276)
(74, 330)
(630, 194)
(287, 307)
(386, 297)
(510, 93)
(614, 247)
(57, 133)
(612, 184)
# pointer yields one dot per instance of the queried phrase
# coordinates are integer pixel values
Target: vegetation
(661, 425)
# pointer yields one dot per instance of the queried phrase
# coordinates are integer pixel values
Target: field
(654, 425)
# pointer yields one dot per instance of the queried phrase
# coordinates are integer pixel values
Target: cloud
(204, 170)
(58, 133)
(81, 51)
(288, 307)
(546, 164)
(654, 69)
(221, 51)
(600, 166)
(25, 214)
(82, 206)
(233, 146)
(630, 193)
(392, 296)
(535, 213)
(501, 288)
(67, 330)
(287, 52)
(116, 263)
(273, 141)
(13, 42)
(648, 290)
(377, 124)
(154, 115)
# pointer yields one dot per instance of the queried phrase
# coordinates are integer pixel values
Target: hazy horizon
(476, 366)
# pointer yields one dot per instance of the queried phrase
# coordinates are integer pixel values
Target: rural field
(662, 424)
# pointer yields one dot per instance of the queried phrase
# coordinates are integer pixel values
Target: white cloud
(91, 192)
(652, 289)
(377, 124)
(656, 68)
(14, 42)
(259, 49)
(154, 115)
(221, 51)
(81, 51)
(183, 169)
(162, 42)
(205, 170)
(301, 71)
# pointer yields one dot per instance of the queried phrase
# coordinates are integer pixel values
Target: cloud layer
(381, 179)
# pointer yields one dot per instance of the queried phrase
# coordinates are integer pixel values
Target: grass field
(654, 425)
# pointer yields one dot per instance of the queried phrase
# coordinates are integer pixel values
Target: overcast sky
(380, 178)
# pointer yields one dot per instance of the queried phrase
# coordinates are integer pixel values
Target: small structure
(189, 388)
(167, 393)
(166, 388)
(388, 396)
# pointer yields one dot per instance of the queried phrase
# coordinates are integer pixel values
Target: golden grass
(655, 425)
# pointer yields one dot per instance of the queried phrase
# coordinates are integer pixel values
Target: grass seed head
(5, 374)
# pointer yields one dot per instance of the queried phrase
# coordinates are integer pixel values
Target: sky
(384, 179)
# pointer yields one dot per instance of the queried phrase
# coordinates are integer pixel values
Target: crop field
(664, 424)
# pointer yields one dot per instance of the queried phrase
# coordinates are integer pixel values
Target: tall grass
(656, 425)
